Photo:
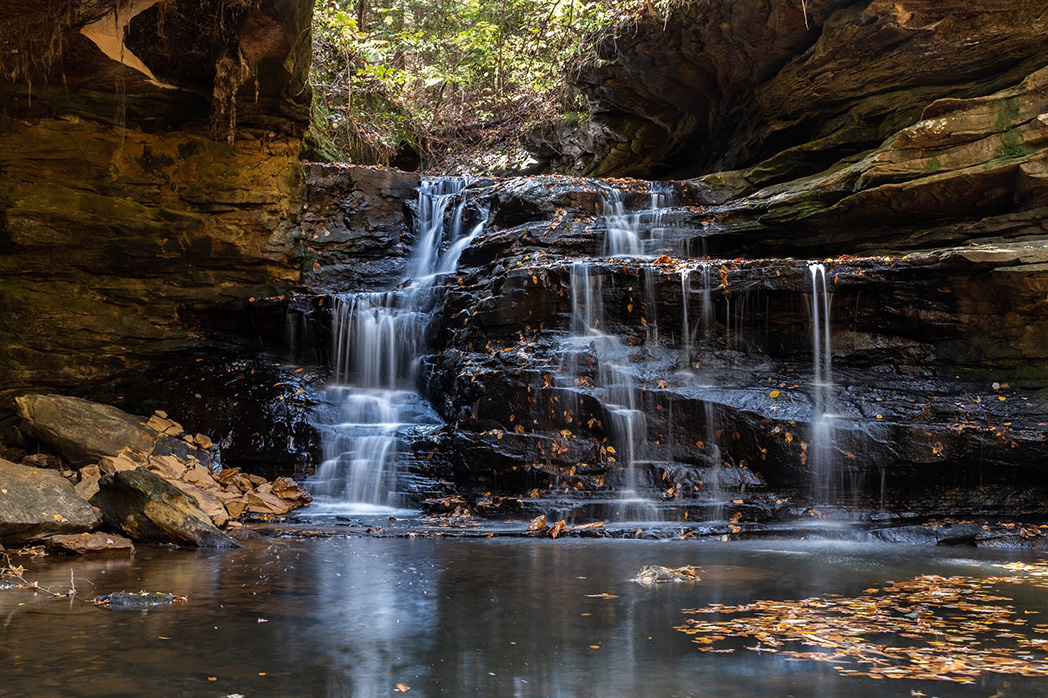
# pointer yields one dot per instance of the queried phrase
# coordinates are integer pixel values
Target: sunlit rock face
(148, 181)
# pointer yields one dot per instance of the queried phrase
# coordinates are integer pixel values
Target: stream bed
(358, 616)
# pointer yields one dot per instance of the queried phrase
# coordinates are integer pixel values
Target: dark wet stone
(143, 600)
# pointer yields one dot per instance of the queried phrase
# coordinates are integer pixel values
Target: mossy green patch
(1007, 114)
(1014, 148)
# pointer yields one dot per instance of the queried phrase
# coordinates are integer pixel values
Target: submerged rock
(150, 509)
(657, 574)
(91, 544)
(141, 600)
(35, 504)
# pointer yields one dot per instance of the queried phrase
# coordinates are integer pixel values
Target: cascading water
(615, 385)
(374, 406)
(822, 460)
(638, 233)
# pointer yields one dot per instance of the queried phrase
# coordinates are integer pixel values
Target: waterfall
(708, 317)
(716, 459)
(685, 291)
(822, 457)
(374, 406)
(614, 385)
(643, 232)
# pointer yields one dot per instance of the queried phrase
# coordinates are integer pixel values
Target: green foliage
(421, 73)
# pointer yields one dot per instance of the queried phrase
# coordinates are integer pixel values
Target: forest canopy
(404, 81)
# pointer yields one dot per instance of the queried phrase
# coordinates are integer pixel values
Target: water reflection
(354, 617)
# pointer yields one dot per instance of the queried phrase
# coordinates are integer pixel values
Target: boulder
(150, 509)
(81, 430)
(91, 544)
(35, 503)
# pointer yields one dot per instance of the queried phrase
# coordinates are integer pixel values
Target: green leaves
(398, 71)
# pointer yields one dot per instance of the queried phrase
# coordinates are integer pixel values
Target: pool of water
(357, 616)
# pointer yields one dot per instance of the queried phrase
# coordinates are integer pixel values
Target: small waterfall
(708, 317)
(651, 307)
(614, 385)
(716, 459)
(639, 233)
(822, 453)
(685, 293)
(374, 406)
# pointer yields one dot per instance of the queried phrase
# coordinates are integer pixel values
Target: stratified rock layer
(728, 83)
(139, 214)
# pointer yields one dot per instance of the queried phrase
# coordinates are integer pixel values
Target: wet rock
(150, 509)
(657, 574)
(137, 601)
(257, 409)
(91, 544)
(444, 505)
(354, 225)
(35, 504)
(537, 524)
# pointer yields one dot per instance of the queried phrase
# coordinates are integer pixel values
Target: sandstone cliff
(149, 169)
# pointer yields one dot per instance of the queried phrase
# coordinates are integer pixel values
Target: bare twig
(16, 572)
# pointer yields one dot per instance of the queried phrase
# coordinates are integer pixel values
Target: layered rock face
(149, 171)
(575, 373)
(731, 83)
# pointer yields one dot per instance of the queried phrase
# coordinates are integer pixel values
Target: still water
(357, 616)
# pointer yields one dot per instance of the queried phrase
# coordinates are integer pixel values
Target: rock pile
(149, 478)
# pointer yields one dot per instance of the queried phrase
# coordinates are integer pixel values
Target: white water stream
(373, 408)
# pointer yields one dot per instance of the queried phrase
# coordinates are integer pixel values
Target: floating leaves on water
(929, 628)
(657, 574)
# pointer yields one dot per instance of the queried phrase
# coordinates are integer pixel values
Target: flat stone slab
(92, 544)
